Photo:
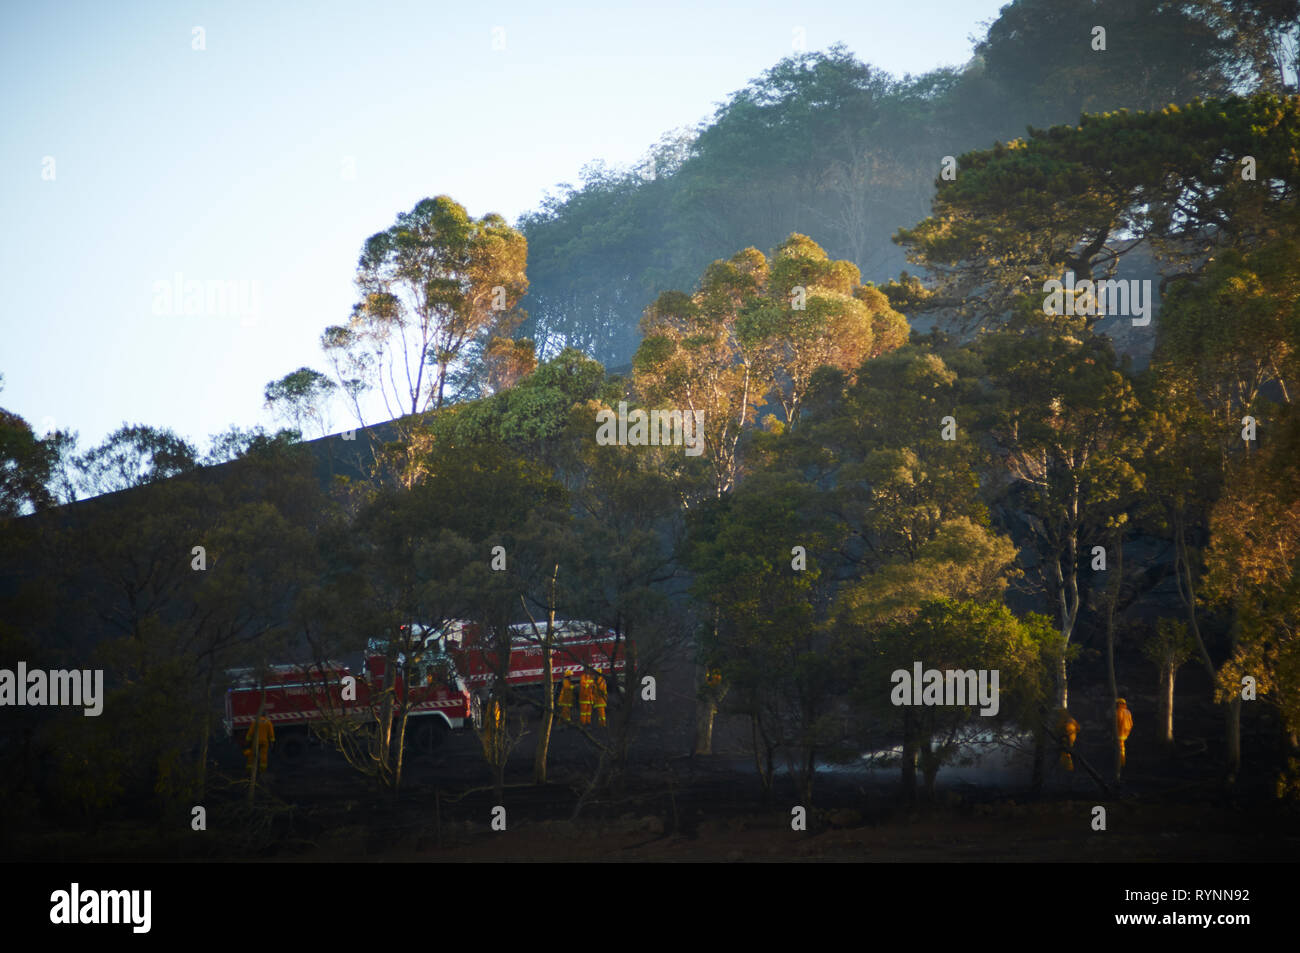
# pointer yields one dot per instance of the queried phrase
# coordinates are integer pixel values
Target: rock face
(1136, 342)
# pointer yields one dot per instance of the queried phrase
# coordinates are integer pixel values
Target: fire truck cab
(294, 697)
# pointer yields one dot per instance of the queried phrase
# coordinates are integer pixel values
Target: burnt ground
(674, 807)
(668, 805)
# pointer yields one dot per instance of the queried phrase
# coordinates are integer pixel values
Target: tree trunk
(622, 720)
(1067, 585)
(808, 775)
(542, 753)
(1062, 684)
(1067, 615)
(704, 712)
(401, 748)
(257, 746)
(1111, 602)
(1167, 674)
(909, 756)
(1234, 739)
(1187, 592)
(706, 705)
(207, 734)
(929, 766)
(762, 759)
(386, 730)
(1234, 710)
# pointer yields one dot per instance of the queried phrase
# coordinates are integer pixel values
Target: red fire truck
(451, 669)
(299, 695)
(575, 647)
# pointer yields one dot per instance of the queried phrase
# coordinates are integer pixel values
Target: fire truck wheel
(292, 747)
(430, 734)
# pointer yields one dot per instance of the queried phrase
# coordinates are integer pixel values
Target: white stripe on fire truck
(518, 673)
(307, 715)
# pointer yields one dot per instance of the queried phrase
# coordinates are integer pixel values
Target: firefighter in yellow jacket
(1123, 725)
(493, 723)
(566, 701)
(491, 734)
(264, 731)
(599, 696)
(585, 693)
(1068, 729)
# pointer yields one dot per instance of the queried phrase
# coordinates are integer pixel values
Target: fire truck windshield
(429, 663)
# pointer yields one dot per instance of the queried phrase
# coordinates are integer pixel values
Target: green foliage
(1180, 56)
(543, 416)
(236, 442)
(1253, 566)
(824, 144)
(134, 455)
(27, 465)
(961, 560)
(843, 541)
(769, 636)
(301, 397)
(1234, 332)
(429, 297)
(1171, 647)
(754, 330)
(878, 446)
(1081, 197)
(950, 634)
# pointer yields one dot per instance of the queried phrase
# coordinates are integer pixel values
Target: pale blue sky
(228, 163)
